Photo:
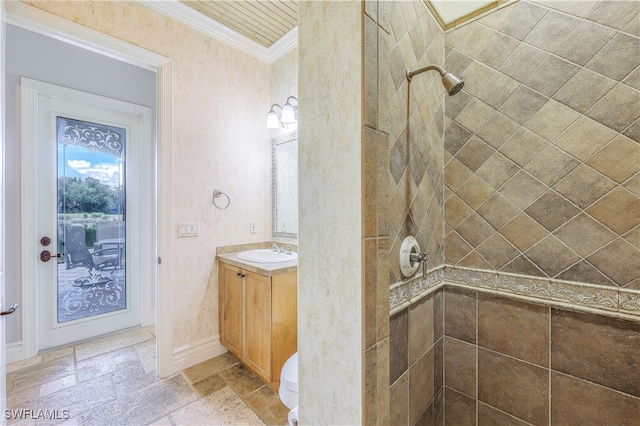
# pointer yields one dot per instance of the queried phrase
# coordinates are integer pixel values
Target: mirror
(284, 186)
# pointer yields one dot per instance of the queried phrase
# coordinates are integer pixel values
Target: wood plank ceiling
(264, 21)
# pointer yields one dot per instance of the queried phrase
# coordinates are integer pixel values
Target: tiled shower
(524, 190)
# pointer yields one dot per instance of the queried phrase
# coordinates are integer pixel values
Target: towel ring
(217, 194)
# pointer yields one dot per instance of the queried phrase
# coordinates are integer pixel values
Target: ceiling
(263, 21)
(267, 29)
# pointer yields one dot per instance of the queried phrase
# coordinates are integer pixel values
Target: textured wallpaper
(219, 141)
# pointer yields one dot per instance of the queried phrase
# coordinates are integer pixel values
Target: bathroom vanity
(258, 307)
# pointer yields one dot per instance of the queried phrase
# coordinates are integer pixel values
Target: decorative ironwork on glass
(94, 137)
(91, 278)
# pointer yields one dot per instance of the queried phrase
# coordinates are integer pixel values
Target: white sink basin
(266, 256)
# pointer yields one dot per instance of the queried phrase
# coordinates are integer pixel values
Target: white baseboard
(15, 352)
(195, 353)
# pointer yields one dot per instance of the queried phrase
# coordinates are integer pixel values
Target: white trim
(164, 316)
(52, 26)
(198, 21)
(3, 335)
(287, 42)
(195, 353)
(41, 22)
(15, 352)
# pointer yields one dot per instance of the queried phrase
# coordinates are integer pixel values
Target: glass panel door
(91, 217)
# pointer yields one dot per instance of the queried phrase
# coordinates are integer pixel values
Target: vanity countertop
(266, 269)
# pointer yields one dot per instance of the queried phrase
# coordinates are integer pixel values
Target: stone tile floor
(112, 381)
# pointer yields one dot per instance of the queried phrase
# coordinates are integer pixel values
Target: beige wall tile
(580, 402)
(513, 328)
(460, 366)
(459, 409)
(460, 314)
(568, 331)
(516, 387)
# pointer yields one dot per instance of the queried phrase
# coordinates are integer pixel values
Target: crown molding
(287, 42)
(33, 19)
(196, 20)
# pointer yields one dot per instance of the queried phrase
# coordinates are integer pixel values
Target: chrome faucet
(274, 247)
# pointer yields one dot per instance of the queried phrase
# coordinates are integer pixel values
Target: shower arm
(438, 68)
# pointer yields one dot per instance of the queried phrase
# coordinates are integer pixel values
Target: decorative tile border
(629, 301)
(598, 299)
(586, 295)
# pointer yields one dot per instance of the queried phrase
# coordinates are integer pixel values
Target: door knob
(11, 310)
(45, 255)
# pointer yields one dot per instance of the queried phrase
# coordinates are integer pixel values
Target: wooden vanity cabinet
(258, 319)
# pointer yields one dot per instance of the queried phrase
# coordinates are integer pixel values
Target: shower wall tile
(562, 109)
(575, 401)
(522, 19)
(459, 409)
(399, 401)
(568, 331)
(538, 364)
(551, 75)
(417, 111)
(613, 15)
(514, 328)
(460, 314)
(523, 61)
(489, 416)
(573, 94)
(618, 160)
(551, 119)
(421, 386)
(379, 331)
(633, 131)
(460, 366)
(576, 50)
(551, 30)
(618, 108)
(584, 137)
(513, 386)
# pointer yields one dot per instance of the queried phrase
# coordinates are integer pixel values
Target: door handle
(45, 255)
(11, 310)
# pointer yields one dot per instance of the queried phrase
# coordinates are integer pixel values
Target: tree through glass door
(91, 219)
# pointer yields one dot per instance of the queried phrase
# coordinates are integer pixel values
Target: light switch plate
(187, 230)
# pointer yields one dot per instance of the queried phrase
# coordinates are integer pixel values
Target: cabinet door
(258, 312)
(232, 305)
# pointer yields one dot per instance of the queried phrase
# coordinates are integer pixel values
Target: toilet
(288, 390)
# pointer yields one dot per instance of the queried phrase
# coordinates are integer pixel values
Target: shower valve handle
(420, 257)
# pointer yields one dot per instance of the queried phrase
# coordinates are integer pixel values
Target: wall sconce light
(288, 114)
(273, 119)
(289, 111)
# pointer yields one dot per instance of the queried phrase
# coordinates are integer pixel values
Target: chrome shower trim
(451, 83)
(438, 68)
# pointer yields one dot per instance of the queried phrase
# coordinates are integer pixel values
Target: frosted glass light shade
(288, 114)
(272, 120)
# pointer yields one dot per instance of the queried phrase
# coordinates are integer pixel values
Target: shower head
(451, 83)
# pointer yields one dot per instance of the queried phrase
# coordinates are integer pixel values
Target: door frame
(3, 342)
(140, 155)
(44, 23)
